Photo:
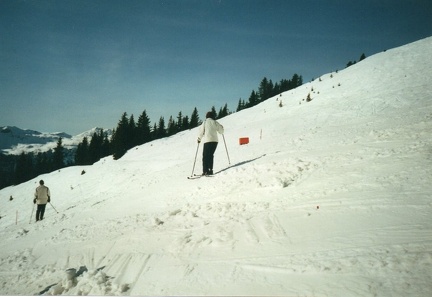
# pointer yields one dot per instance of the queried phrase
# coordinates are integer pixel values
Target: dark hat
(41, 182)
(210, 115)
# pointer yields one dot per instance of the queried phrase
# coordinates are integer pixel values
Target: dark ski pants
(208, 154)
(40, 212)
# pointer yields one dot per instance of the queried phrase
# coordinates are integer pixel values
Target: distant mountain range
(14, 140)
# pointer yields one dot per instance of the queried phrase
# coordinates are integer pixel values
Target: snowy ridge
(14, 141)
(331, 197)
(11, 136)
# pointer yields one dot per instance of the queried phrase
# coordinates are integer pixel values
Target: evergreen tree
(82, 153)
(284, 85)
(7, 164)
(213, 111)
(253, 99)
(219, 114)
(241, 105)
(58, 156)
(172, 127)
(179, 123)
(154, 131)
(119, 139)
(185, 123)
(103, 144)
(143, 128)
(132, 136)
(296, 81)
(95, 147)
(276, 89)
(223, 112)
(350, 63)
(23, 168)
(265, 89)
(194, 121)
(270, 92)
(38, 165)
(45, 164)
(106, 146)
(161, 132)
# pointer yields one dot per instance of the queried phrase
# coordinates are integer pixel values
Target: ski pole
(53, 207)
(229, 162)
(195, 159)
(32, 213)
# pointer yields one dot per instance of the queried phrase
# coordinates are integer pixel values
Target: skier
(208, 132)
(42, 197)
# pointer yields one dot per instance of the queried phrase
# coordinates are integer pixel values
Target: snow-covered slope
(331, 197)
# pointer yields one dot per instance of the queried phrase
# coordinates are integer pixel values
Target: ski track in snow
(334, 200)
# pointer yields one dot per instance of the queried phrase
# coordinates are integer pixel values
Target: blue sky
(69, 66)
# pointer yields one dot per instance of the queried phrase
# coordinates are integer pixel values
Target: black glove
(49, 200)
(199, 140)
(34, 201)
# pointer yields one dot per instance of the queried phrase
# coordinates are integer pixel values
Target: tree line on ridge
(128, 134)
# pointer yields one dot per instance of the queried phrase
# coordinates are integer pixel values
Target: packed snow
(331, 197)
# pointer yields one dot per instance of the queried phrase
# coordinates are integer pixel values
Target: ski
(196, 176)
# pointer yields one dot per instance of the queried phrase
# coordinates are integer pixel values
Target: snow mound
(84, 282)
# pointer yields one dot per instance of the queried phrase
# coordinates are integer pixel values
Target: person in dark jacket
(42, 197)
(208, 132)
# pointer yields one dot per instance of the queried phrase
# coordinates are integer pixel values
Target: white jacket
(209, 129)
(42, 194)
